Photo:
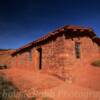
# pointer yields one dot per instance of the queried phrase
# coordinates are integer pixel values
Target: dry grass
(47, 98)
(8, 91)
(96, 63)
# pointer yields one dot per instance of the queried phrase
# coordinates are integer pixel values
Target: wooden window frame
(77, 50)
(30, 55)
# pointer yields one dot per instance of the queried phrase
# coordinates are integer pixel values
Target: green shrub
(96, 63)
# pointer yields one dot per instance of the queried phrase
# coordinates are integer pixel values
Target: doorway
(39, 58)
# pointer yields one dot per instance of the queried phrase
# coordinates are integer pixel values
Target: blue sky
(22, 21)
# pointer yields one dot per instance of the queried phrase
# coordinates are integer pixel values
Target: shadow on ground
(10, 92)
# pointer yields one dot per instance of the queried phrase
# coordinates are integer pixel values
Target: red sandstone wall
(22, 61)
(58, 55)
(74, 67)
(5, 57)
(52, 51)
(88, 51)
(51, 59)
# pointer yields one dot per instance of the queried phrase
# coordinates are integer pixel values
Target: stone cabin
(58, 51)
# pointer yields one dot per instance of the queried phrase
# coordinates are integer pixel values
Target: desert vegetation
(47, 98)
(9, 92)
(96, 63)
(3, 66)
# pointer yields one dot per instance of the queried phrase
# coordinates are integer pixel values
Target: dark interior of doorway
(40, 58)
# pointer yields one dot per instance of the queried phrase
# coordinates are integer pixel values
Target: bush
(96, 63)
(47, 98)
(33, 98)
(3, 66)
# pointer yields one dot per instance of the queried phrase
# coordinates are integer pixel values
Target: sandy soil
(85, 84)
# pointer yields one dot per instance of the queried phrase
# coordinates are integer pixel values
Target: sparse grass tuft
(96, 63)
(33, 98)
(3, 66)
(47, 98)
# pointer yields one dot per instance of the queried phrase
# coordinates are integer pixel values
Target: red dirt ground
(85, 84)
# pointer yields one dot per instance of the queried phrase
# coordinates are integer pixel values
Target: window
(77, 49)
(30, 55)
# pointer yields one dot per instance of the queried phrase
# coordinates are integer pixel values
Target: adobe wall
(22, 61)
(51, 59)
(5, 57)
(89, 51)
(58, 55)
